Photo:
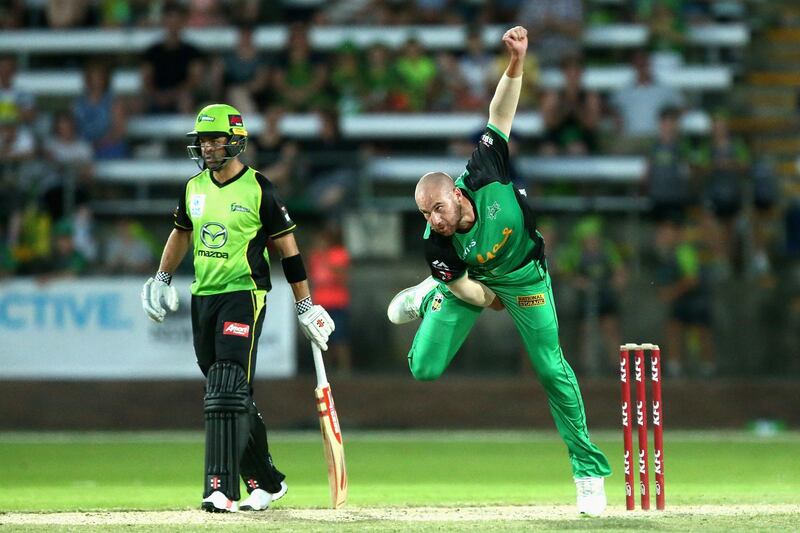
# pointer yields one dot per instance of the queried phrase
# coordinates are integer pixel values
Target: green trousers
(528, 298)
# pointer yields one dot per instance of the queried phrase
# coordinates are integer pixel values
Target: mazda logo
(213, 235)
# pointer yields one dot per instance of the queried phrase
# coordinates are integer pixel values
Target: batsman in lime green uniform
(483, 250)
(225, 216)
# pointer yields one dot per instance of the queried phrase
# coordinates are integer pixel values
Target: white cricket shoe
(591, 495)
(405, 306)
(278, 495)
(217, 502)
(259, 499)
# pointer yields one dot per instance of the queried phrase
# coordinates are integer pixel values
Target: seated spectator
(172, 70)
(638, 106)
(555, 28)
(205, 14)
(417, 72)
(16, 105)
(666, 23)
(243, 74)
(301, 75)
(66, 261)
(100, 116)
(67, 14)
(668, 180)
(684, 288)
(346, 80)
(382, 91)
(476, 66)
(571, 115)
(128, 250)
(30, 239)
(452, 93)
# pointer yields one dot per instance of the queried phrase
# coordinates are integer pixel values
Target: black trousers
(226, 327)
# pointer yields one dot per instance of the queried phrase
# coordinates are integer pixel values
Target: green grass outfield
(714, 481)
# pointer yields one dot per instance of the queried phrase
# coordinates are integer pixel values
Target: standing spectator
(724, 162)
(346, 80)
(639, 105)
(243, 74)
(597, 271)
(16, 105)
(572, 115)
(100, 116)
(301, 75)
(172, 70)
(686, 292)
(668, 180)
(556, 27)
(417, 73)
(277, 155)
(329, 267)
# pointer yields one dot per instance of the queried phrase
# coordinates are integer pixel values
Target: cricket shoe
(260, 499)
(591, 495)
(217, 502)
(406, 304)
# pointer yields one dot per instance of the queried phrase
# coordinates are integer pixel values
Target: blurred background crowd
(657, 139)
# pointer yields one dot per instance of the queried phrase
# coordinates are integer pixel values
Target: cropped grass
(59, 472)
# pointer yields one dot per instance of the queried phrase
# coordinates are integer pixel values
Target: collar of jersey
(245, 168)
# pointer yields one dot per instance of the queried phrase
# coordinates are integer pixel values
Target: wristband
(303, 305)
(165, 277)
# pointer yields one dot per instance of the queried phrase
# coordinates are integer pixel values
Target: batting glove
(315, 322)
(157, 291)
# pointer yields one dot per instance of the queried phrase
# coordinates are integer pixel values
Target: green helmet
(218, 120)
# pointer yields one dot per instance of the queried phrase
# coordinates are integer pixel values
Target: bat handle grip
(319, 366)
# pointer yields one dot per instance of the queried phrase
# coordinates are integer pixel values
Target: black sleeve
(489, 161)
(179, 215)
(274, 216)
(442, 259)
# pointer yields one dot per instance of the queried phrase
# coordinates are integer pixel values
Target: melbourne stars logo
(213, 235)
(493, 210)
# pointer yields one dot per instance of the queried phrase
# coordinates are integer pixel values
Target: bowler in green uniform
(483, 250)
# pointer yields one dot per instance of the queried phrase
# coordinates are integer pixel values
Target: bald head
(432, 187)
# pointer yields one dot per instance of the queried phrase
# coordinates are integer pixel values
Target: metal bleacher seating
(66, 83)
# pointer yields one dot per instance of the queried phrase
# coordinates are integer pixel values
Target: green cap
(219, 119)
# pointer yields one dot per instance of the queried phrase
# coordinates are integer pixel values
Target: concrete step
(765, 125)
(779, 146)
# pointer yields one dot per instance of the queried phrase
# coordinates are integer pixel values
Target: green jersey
(504, 235)
(231, 223)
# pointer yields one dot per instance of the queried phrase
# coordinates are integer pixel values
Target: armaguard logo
(214, 235)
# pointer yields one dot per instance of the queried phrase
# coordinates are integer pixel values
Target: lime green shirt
(231, 223)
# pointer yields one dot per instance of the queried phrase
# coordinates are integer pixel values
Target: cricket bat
(331, 434)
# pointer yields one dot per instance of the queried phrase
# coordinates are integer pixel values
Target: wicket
(641, 421)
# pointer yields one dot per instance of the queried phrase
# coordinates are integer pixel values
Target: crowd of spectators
(698, 186)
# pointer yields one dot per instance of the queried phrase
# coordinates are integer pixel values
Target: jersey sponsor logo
(197, 203)
(487, 139)
(239, 208)
(493, 210)
(236, 328)
(468, 248)
(209, 253)
(491, 255)
(235, 120)
(438, 298)
(532, 300)
(286, 214)
(214, 235)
